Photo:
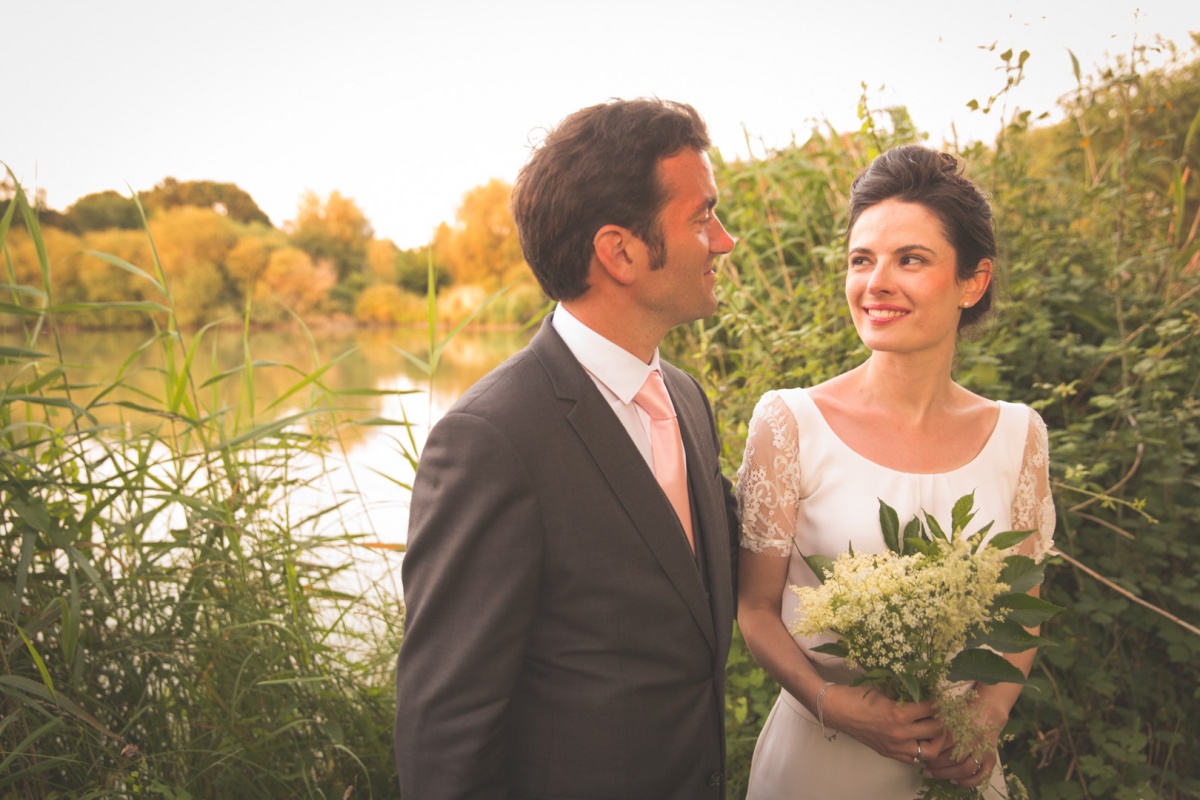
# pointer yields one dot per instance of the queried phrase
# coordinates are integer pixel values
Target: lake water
(366, 463)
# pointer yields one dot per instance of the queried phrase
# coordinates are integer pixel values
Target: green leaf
(912, 687)
(1007, 539)
(921, 546)
(1008, 637)
(822, 566)
(121, 263)
(889, 523)
(20, 354)
(1022, 573)
(963, 512)
(935, 530)
(41, 665)
(1026, 609)
(984, 666)
(838, 649)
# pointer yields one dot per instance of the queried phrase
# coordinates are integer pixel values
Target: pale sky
(405, 105)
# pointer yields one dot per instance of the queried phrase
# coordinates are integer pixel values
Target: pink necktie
(666, 446)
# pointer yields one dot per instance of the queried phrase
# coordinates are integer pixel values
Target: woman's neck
(912, 386)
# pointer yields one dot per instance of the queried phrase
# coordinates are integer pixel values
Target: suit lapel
(710, 525)
(627, 473)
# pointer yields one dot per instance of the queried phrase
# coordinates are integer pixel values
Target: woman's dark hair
(914, 174)
(598, 167)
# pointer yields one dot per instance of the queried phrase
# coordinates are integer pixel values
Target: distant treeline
(221, 255)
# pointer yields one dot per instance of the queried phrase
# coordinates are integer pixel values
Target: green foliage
(228, 198)
(412, 270)
(174, 620)
(103, 211)
(1098, 328)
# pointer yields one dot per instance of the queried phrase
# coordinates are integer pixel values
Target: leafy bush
(1099, 330)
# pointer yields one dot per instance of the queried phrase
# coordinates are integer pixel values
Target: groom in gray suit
(567, 624)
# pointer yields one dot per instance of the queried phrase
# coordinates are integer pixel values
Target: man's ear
(618, 252)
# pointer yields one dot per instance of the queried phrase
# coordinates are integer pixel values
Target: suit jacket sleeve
(470, 580)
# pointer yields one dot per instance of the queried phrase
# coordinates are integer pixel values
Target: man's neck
(619, 328)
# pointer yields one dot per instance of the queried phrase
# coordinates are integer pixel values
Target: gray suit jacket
(560, 639)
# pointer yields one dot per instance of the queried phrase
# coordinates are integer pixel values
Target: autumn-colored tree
(192, 245)
(189, 235)
(295, 280)
(335, 230)
(103, 284)
(247, 259)
(381, 259)
(387, 304)
(482, 246)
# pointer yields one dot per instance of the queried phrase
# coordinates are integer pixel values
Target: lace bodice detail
(792, 458)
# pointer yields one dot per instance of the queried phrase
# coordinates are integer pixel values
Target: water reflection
(368, 466)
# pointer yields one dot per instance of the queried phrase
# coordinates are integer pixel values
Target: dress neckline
(992, 438)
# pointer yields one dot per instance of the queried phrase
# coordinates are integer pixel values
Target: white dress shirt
(617, 373)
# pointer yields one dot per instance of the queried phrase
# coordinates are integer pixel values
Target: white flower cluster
(904, 613)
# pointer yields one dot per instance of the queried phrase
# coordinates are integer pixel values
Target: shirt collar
(621, 372)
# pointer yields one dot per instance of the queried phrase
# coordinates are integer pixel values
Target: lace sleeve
(768, 479)
(1033, 507)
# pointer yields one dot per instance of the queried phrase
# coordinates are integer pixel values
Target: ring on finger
(978, 766)
(917, 757)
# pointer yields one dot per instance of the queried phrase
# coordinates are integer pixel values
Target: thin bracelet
(821, 711)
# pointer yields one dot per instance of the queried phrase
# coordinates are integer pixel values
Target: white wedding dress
(801, 488)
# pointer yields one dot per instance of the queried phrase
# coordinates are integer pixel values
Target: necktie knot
(653, 397)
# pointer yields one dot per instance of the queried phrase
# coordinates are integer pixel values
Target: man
(567, 625)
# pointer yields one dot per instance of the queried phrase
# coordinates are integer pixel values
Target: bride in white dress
(895, 428)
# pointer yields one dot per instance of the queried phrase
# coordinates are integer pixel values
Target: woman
(896, 428)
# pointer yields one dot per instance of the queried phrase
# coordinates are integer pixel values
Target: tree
(335, 230)
(47, 217)
(381, 259)
(412, 270)
(387, 304)
(293, 278)
(482, 247)
(103, 211)
(224, 198)
(248, 258)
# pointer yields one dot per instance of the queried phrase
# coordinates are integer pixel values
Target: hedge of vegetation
(1099, 330)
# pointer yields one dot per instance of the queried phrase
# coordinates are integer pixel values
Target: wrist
(820, 710)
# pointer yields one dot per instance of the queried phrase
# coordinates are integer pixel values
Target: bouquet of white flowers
(932, 610)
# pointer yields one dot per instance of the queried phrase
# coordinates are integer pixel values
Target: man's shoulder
(527, 383)
(518, 379)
